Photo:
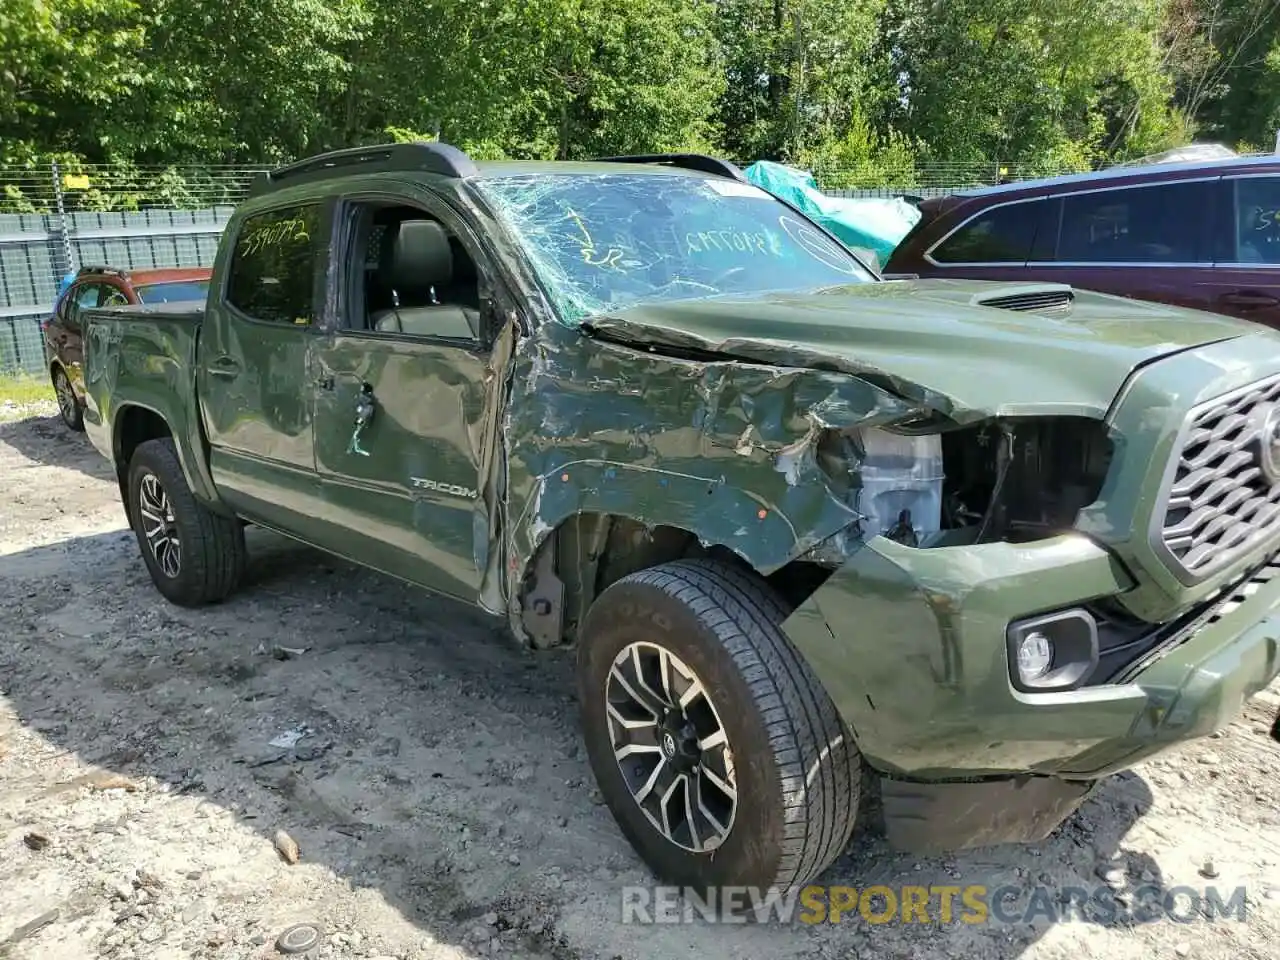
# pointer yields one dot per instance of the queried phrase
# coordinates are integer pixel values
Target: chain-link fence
(54, 220)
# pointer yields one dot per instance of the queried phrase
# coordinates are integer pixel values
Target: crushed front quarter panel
(721, 449)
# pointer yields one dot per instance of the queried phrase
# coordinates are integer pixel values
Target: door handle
(224, 366)
(1249, 299)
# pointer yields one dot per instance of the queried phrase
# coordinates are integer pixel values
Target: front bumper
(909, 644)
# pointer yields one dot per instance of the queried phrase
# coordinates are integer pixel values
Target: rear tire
(194, 556)
(770, 770)
(68, 403)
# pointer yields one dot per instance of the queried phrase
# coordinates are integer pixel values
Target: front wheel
(68, 402)
(194, 556)
(715, 747)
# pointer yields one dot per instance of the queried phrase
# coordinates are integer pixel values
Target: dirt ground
(431, 777)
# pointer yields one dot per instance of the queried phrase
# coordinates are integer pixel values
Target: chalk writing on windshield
(818, 246)
(756, 242)
(611, 258)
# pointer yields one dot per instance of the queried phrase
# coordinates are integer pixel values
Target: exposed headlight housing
(899, 484)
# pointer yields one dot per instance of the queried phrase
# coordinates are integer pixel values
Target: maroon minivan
(1204, 234)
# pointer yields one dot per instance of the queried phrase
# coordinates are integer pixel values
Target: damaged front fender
(721, 449)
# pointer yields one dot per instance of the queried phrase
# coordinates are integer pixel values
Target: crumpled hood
(932, 342)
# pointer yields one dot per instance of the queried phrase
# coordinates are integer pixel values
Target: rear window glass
(1001, 235)
(1158, 224)
(1257, 220)
(172, 292)
(273, 266)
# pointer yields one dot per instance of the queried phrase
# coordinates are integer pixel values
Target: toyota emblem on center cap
(1266, 446)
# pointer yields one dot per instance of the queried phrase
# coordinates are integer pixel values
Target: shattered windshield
(602, 242)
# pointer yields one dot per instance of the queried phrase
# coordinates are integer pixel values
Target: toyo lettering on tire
(194, 556)
(715, 747)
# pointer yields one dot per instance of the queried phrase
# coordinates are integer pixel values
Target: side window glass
(113, 296)
(416, 276)
(80, 298)
(272, 274)
(1001, 235)
(1160, 224)
(1257, 221)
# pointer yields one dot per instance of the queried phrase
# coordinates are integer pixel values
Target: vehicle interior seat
(417, 266)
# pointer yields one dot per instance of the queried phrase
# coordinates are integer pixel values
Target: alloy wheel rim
(66, 400)
(159, 526)
(670, 746)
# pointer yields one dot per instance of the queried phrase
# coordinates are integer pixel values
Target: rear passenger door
(1246, 277)
(256, 384)
(1150, 242)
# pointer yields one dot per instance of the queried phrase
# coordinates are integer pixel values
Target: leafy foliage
(865, 89)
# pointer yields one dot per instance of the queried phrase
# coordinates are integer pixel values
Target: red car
(105, 287)
(1204, 234)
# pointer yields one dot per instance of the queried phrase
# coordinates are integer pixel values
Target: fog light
(1053, 651)
(1035, 656)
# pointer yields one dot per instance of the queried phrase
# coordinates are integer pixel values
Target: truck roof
(521, 168)
(445, 161)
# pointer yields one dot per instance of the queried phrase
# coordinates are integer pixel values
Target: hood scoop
(1050, 300)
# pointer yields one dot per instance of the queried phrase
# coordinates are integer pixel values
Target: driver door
(405, 421)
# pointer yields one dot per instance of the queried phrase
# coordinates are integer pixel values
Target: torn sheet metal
(722, 449)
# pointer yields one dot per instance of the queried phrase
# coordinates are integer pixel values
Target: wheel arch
(134, 424)
(573, 562)
(134, 421)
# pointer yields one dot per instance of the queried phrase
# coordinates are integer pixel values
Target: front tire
(715, 747)
(194, 556)
(68, 403)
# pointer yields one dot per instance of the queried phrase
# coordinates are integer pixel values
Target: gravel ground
(431, 778)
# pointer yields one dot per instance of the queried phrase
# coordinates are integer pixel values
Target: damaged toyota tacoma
(972, 545)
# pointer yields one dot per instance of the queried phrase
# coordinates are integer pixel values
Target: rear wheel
(68, 403)
(194, 556)
(715, 747)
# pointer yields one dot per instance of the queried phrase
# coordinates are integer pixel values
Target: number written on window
(1257, 238)
(273, 267)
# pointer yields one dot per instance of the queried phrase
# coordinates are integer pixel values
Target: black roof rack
(103, 271)
(690, 161)
(419, 156)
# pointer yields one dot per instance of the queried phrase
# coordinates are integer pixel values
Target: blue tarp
(877, 225)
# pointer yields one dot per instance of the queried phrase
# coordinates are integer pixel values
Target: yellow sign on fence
(74, 181)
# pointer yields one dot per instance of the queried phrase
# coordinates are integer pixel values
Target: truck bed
(143, 356)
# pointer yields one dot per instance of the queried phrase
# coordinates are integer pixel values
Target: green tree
(797, 74)
(61, 63)
(546, 78)
(1022, 80)
(1224, 57)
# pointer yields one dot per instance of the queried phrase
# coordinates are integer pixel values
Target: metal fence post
(60, 227)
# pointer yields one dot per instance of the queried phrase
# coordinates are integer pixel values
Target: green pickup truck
(972, 545)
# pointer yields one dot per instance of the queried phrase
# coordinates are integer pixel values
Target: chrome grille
(1219, 504)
